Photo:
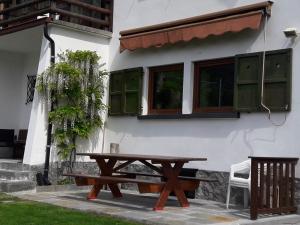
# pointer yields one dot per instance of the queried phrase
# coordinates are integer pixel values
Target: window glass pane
(216, 85)
(167, 90)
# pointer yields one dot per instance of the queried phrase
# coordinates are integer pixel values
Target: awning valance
(233, 20)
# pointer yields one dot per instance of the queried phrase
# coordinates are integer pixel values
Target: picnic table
(110, 166)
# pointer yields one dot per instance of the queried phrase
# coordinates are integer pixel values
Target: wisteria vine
(74, 87)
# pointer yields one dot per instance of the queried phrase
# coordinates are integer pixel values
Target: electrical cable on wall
(263, 78)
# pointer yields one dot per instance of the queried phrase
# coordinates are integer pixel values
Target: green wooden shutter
(132, 90)
(277, 84)
(247, 82)
(116, 93)
(125, 91)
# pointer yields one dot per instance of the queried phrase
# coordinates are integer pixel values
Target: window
(222, 87)
(214, 86)
(31, 80)
(277, 82)
(235, 84)
(165, 89)
(125, 92)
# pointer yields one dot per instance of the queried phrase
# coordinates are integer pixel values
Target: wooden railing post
(254, 189)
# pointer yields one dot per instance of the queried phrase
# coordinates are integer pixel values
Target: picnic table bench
(135, 174)
(111, 175)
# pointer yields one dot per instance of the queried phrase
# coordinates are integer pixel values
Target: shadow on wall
(227, 3)
(64, 39)
(79, 36)
(91, 144)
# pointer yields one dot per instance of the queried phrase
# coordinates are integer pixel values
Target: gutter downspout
(49, 130)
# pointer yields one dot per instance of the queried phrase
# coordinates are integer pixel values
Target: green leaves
(75, 87)
(66, 112)
(82, 56)
(68, 70)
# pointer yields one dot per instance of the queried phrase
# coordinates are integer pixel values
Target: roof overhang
(23, 26)
(199, 27)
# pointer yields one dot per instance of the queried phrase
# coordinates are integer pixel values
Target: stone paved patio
(138, 207)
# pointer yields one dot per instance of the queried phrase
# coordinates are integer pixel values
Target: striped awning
(232, 20)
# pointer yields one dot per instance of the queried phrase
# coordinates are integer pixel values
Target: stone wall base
(215, 191)
(57, 169)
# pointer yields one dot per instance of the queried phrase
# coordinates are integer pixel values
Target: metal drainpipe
(49, 130)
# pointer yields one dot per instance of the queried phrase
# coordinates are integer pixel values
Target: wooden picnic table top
(156, 158)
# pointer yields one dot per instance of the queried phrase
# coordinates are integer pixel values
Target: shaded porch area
(19, 60)
(138, 207)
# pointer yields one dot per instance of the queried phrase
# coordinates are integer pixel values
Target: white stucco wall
(65, 39)
(222, 141)
(14, 68)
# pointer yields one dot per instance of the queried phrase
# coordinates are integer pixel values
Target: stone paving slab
(137, 207)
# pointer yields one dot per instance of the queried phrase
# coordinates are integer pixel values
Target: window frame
(152, 73)
(123, 73)
(288, 81)
(196, 91)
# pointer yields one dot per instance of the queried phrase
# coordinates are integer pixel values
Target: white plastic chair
(243, 167)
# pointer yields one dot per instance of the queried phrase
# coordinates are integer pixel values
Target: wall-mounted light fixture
(291, 32)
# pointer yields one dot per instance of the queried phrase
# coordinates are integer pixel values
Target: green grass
(14, 211)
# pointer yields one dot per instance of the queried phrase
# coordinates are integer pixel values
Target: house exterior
(186, 78)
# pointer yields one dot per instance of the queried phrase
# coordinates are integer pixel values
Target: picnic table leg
(107, 170)
(115, 190)
(172, 184)
(94, 192)
(162, 199)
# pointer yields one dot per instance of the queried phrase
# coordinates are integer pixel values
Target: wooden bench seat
(134, 174)
(111, 179)
(145, 186)
(187, 183)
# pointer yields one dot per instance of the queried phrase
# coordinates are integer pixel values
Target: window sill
(216, 115)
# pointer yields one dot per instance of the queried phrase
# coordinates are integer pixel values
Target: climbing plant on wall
(74, 87)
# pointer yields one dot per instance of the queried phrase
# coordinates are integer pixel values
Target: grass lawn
(14, 211)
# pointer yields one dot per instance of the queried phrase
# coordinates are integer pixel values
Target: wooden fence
(272, 185)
